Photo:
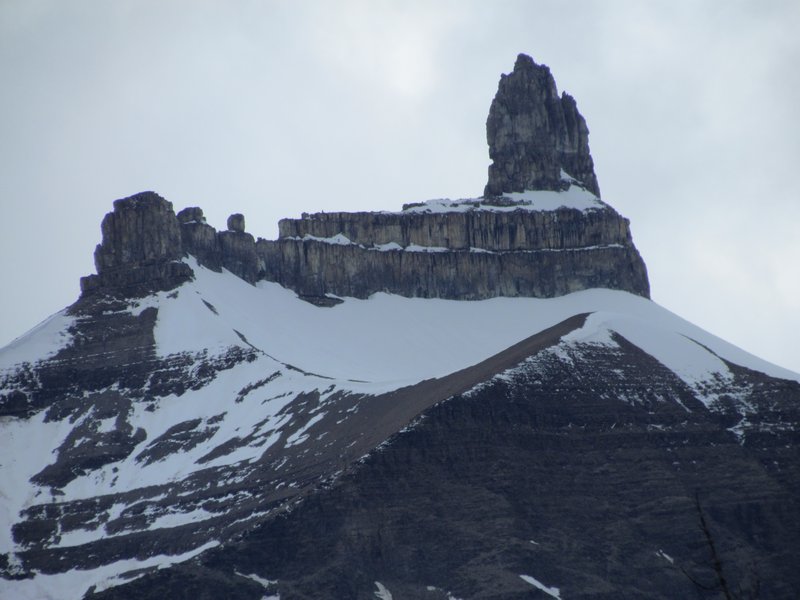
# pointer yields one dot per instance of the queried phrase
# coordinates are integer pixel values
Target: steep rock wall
(144, 242)
(468, 255)
(314, 269)
(494, 231)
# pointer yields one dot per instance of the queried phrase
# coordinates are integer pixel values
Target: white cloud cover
(274, 108)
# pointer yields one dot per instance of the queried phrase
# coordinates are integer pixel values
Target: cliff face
(459, 255)
(489, 230)
(541, 229)
(144, 242)
(141, 248)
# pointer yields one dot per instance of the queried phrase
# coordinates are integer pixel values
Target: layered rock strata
(471, 255)
(458, 255)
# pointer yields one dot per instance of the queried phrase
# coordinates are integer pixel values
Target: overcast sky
(276, 108)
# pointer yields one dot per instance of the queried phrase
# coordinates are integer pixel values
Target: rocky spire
(534, 134)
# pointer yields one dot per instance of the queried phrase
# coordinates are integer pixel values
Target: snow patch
(260, 580)
(550, 591)
(300, 435)
(665, 556)
(382, 593)
(339, 239)
(339, 341)
(575, 197)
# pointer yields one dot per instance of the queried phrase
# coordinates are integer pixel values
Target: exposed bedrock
(533, 134)
(140, 250)
(314, 269)
(467, 255)
(472, 249)
(144, 242)
(484, 229)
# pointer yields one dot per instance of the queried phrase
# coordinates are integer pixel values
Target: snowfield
(392, 340)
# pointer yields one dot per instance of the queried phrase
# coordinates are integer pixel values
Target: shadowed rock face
(533, 134)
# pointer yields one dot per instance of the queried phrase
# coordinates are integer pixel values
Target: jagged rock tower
(535, 136)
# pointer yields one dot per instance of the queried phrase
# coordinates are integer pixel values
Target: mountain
(467, 398)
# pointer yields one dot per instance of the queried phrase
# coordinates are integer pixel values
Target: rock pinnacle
(534, 134)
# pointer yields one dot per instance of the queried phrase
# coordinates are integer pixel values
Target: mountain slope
(463, 399)
(213, 449)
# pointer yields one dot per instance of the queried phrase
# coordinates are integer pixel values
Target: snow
(388, 247)
(339, 239)
(575, 197)
(27, 448)
(41, 342)
(260, 580)
(382, 593)
(550, 591)
(418, 248)
(339, 342)
(300, 435)
(665, 556)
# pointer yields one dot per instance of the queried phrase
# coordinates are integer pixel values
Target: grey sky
(275, 108)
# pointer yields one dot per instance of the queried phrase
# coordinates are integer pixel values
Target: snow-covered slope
(246, 420)
(392, 340)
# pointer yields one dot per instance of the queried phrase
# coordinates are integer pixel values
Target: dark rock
(238, 254)
(236, 222)
(202, 241)
(581, 473)
(478, 254)
(140, 250)
(142, 229)
(191, 214)
(533, 134)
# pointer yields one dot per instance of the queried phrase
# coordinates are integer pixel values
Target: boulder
(236, 222)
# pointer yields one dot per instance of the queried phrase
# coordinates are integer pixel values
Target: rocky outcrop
(237, 249)
(457, 255)
(487, 230)
(199, 238)
(144, 242)
(141, 248)
(236, 222)
(471, 254)
(470, 249)
(534, 134)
